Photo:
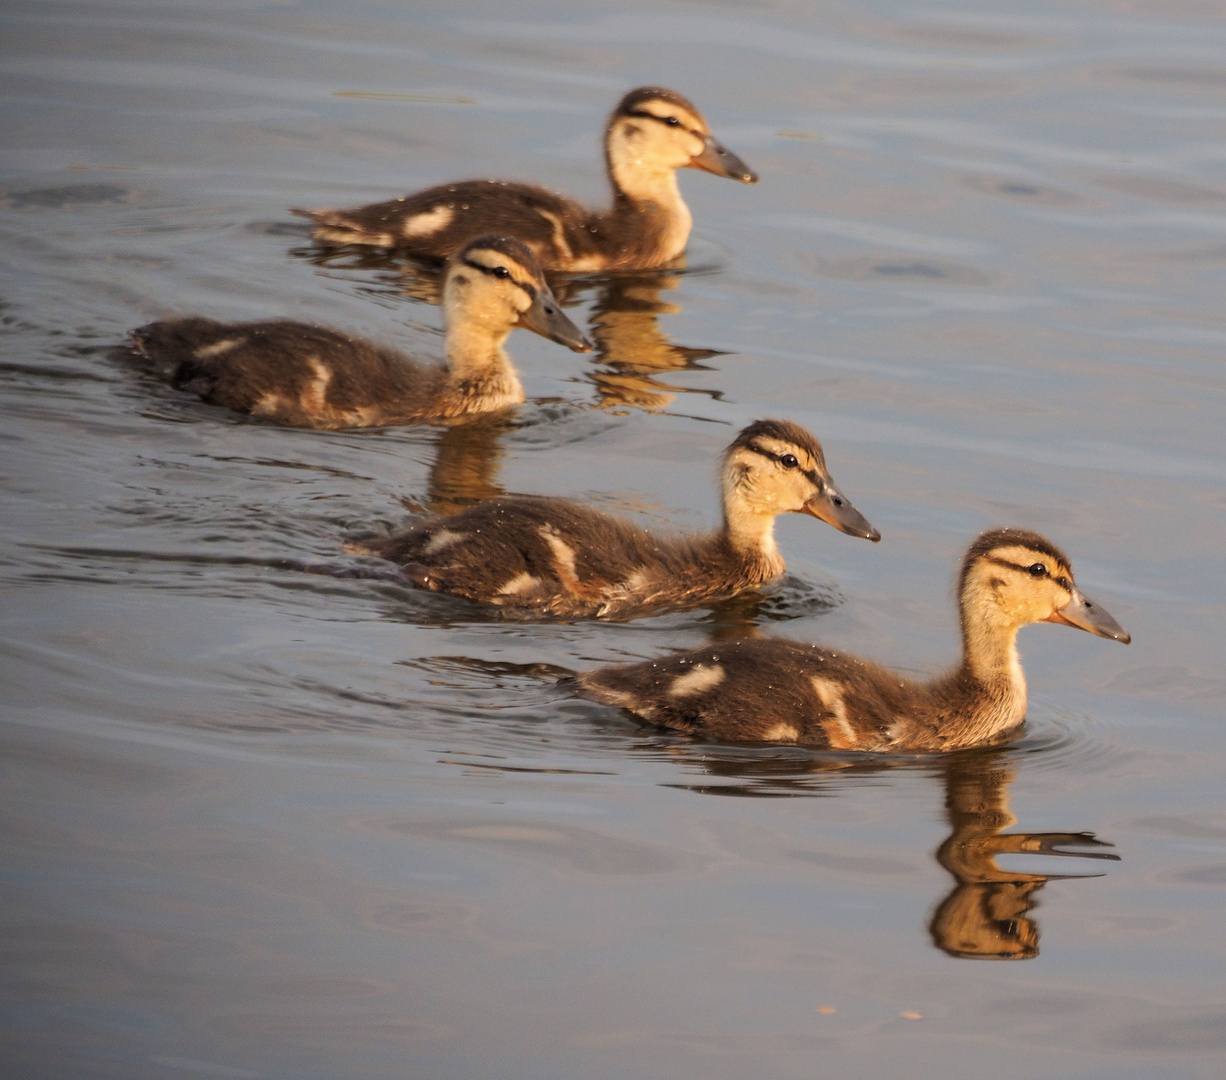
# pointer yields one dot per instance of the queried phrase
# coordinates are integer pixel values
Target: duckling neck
(477, 362)
(990, 660)
(651, 200)
(752, 539)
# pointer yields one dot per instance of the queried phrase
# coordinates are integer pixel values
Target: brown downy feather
(554, 557)
(650, 134)
(309, 376)
(776, 690)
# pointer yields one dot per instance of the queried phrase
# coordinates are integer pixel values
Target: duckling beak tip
(832, 507)
(545, 317)
(721, 161)
(1086, 615)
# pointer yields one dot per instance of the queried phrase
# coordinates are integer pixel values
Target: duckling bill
(310, 376)
(776, 690)
(651, 134)
(554, 557)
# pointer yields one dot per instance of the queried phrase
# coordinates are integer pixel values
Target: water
(263, 822)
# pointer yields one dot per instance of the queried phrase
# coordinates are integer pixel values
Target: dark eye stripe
(1059, 579)
(664, 120)
(489, 271)
(813, 475)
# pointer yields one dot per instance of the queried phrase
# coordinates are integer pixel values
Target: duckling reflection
(985, 916)
(381, 273)
(629, 342)
(465, 467)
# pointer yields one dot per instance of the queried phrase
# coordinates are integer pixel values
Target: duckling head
(1012, 577)
(653, 132)
(493, 284)
(776, 467)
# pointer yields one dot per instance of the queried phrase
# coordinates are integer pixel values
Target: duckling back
(291, 373)
(555, 557)
(435, 223)
(761, 690)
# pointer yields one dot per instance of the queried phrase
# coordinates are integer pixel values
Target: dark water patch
(467, 673)
(313, 467)
(114, 565)
(1021, 190)
(1213, 874)
(903, 269)
(1179, 1031)
(535, 770)
(24, 374)
(296, 229)
(782, 771)
(59, 198)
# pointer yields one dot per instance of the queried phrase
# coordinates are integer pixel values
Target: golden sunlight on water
(269, 811)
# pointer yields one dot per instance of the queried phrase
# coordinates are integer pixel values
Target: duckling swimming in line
(554, 557)
(775, 690)
(652, 133)
(309, 376)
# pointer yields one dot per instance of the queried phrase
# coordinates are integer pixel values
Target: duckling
(775, 690)
(550, 556)
(309, 376)
(652, 133)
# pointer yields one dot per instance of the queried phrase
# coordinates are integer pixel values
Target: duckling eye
(501, 272)
(788, 461)
(672, 121)
(1037, 570)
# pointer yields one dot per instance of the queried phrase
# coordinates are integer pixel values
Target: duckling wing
(762, 690)
(437, 222)
(549, 554)
(288, 372)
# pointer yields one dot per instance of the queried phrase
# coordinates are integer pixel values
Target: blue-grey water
(263, 822)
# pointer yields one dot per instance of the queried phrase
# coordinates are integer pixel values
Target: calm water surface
(263, 822)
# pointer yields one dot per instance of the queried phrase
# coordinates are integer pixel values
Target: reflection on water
(633, 347)
(465, 466)
(257, 821)
(985, 916)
